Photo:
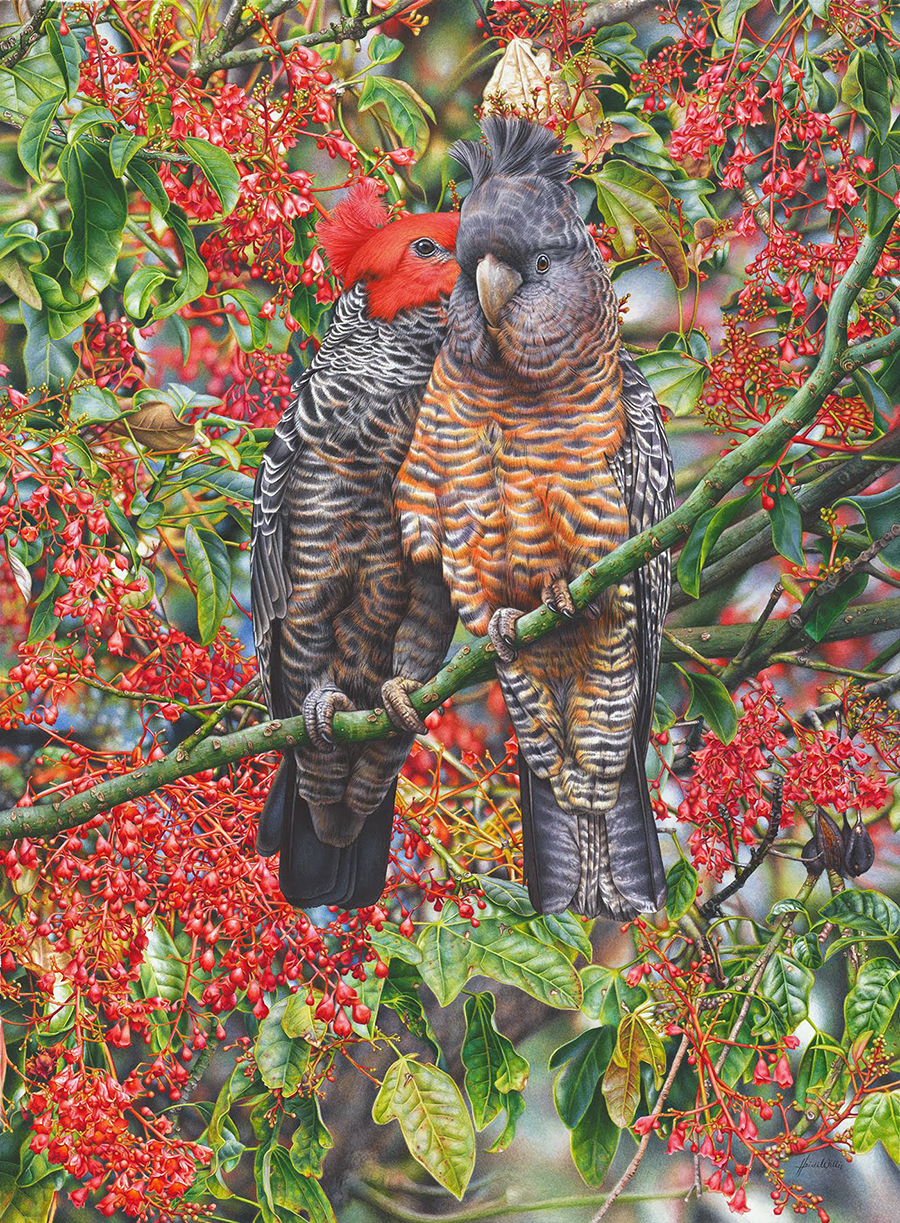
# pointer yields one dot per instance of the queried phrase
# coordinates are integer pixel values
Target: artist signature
(822, 1161)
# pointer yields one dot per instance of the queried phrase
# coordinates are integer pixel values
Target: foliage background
(199, 366)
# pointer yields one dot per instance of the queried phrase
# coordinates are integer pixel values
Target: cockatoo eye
(542, 263)
(424, 247)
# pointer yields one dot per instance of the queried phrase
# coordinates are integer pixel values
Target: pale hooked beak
(496, 284)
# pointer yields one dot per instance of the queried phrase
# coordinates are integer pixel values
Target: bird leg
(399, 708)
(555, 593)
(502, 632)
(319, 708)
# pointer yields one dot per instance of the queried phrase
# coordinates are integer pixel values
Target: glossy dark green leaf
(255, 332)
(827, 608)
(872, 1003)
(97, 201)
(786, 984)
(616, 42)
(880, 208)
(33, 135)
(815, 1067)
(576, 1083)
(66, 52)
(681, 886)
(218, 169)
(139, 289)
(65, 310)
(87, 118)
(193, 279)
(865, 910)
(787, 527)
(210, 567)
(384, 50)
(864, 88)
(880, 511)
(146, 178)
(44, 621)
(703, 538)
(607, 996)
(493, 1067)
(284, 1194)
(122, 148)
(595, 1141)
(710, 700)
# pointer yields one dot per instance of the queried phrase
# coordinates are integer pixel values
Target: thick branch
(750, 541)
(474, 663)
(353, 28)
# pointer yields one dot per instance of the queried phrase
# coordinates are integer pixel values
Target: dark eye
(542, 263)
(424, 247)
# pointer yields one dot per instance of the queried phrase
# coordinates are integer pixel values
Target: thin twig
(645, 1140)
(713, 906)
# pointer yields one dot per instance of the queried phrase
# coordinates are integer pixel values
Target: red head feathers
(405, 263)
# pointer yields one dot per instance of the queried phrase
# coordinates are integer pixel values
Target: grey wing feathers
(648, 476)
(268, 576)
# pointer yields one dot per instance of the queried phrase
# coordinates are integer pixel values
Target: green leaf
(282, 1059)
(493, 1068)
(122, 148)
(703, 538)
(311, 1140)
(504, 894)
(681, 883)
(404, 110)
(630, 198)
(210, 567)
(576, 1083)
(66, 52)
(864, 88)
(384, 50)
(32, 80)
(880, 208)
(436, 1127)
(827, 608)
(607, 996)
(163, 973)
(139, 290)
(97, 200)
(298, 1019)
(878, 1120)
(710, 701)
(617, 42)
(865, 910)
(516, 958)
(446, 961)
(33, 135)
(143, 176)
(786, 984)
(44, 622)
(218, 170)
(89, 117)
(30, 1203)
(91, 404)
(636, 1043)
(806, 951)
(595, 1140)
(22, 236)
(284, 1194)
(390, 945)
(258, 327)
(63, 313)
(48, 362)
(815, 1067)
(872, 1003)
(193, 279)
(880, 511)
(400, 993)
(787, 528)
(730, 14)
(560, 928)
(675, 379)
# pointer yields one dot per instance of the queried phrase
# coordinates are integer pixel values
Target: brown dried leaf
(155, 426)
(525, 81)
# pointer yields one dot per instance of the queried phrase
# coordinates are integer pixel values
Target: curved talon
(558, 598)
(395, 694)
(502, 632)
(319, 708)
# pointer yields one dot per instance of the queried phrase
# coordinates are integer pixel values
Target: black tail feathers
(557, 851)
(310, 871)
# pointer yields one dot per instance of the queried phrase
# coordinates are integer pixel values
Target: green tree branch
(475, 662)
